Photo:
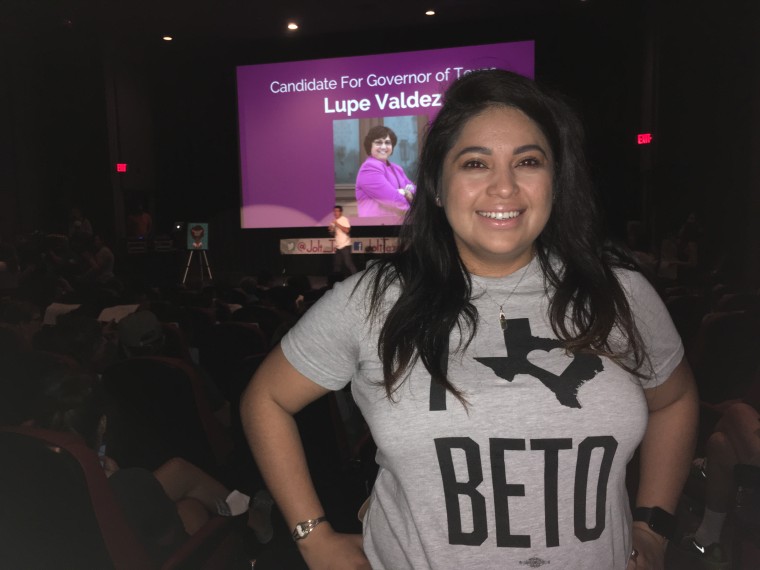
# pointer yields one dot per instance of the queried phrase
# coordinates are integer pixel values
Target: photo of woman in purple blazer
(382, 187)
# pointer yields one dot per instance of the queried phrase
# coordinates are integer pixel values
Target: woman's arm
(276, 392)
(666, 453)
(374, 182)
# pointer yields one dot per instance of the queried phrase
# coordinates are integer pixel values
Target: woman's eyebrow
(476, 149)
(527, 147)
(488, 151)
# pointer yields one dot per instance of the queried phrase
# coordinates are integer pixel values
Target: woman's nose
(503, 182)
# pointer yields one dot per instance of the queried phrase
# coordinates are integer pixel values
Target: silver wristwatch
(303, 529)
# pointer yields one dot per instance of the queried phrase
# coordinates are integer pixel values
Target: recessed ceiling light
(292, 26)
(167, 38)
(430, 13)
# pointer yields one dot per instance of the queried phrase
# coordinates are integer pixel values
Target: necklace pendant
(503, 320)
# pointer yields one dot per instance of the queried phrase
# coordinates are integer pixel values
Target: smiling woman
(507, 360)
(497, 188)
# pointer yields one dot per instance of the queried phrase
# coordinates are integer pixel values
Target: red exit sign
(121, 167)
(644, 138)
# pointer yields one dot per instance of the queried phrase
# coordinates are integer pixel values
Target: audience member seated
(90, 343)
(100, 262)
(21, 316)
(9, 266)
(740, 301)
(724, 354)
(289, 305)
(141, 334)
(165, 505)
(234, 297)
(11, 343)
(264, 282)
(249, 287)
(637, 242)
(735, 441)
(690, 266)
(78, 223)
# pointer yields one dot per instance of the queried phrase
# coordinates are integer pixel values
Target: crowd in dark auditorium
(165, 368)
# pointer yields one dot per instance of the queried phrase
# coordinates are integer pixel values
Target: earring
(438, 200)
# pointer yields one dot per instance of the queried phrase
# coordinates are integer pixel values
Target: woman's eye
(529, 161)
(474, 164)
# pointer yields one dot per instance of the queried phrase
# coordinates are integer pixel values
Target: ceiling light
(167, 38)
(292, 26)
(430, 13)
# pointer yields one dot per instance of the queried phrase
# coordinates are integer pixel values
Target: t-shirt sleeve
(661, 340)
(324, 344)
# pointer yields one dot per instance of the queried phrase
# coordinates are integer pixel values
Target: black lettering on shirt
(609, 445)
(452, 489)
(551, 447)
(503, 490)
(465, 484)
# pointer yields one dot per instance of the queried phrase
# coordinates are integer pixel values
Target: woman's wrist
(316, 538)
(304, 528)
(643, 530)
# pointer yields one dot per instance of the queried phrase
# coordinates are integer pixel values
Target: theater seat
(58, 511)
(226, 346)
(725, 354)
(158, 409)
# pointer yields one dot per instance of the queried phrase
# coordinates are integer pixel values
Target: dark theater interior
(137, 287)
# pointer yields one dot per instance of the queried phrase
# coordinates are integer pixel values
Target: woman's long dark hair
(587, 301)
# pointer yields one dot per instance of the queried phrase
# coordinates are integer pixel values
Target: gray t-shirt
(532, 473)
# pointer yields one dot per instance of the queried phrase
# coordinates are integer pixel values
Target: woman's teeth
(500, 215)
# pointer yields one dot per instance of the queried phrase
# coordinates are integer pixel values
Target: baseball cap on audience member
(140, 330)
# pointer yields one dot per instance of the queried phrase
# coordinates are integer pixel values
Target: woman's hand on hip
(648, 551)
(325, 549)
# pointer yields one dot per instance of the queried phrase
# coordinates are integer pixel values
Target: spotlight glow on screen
(302, 127)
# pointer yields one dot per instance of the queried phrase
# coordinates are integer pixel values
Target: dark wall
(708, 120)
(53, 134)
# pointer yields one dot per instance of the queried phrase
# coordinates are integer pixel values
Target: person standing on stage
(340, 228)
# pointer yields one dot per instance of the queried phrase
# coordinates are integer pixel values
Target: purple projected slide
(303, 127)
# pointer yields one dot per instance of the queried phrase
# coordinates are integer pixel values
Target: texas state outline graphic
(519, 342)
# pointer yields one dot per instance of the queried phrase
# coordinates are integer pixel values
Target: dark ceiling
(201, 21)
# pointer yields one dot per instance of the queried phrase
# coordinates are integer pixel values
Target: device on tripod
(197, 242)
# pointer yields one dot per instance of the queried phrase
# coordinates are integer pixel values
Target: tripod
(202, 262)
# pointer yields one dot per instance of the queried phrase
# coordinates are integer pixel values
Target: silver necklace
(502, 316)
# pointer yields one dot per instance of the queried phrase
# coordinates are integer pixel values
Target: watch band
(659, 520)
(303, 529)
